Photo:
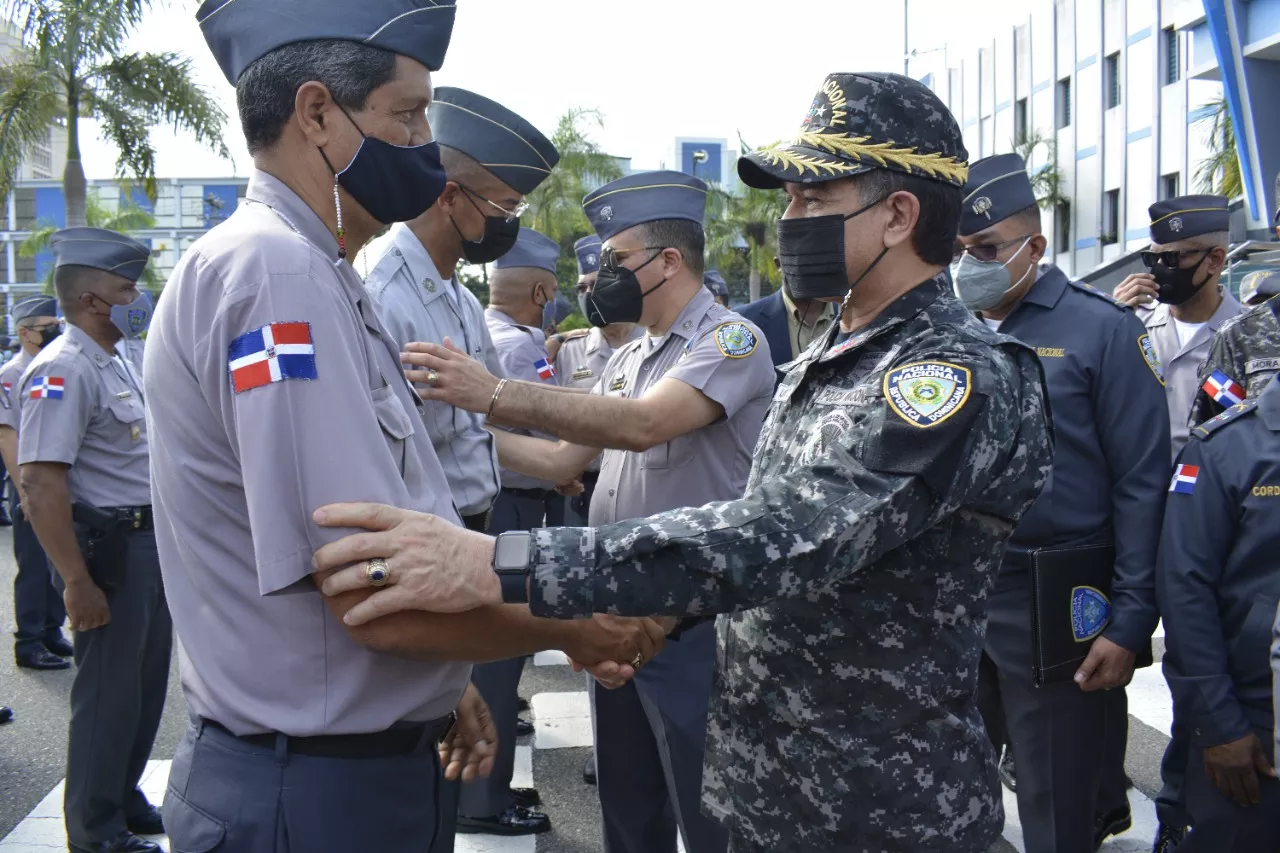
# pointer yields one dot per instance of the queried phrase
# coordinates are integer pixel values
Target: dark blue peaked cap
(645, 197)
(1186, 216)
(506, 145)
(713, 281)
(588, 251)
(101, 249)
(998, 187)
(532, 249)
(34, 306)
(240, 32)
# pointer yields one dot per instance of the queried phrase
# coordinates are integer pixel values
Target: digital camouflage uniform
(1247, 351)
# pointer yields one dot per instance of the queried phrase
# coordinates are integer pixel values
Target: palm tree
(747, 218)
(1046, 182)
(75, 66)
(1219, 174)
(555, 207)
(126, 219)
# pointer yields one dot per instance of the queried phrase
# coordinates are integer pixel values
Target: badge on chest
(581, 373)
(619, 383)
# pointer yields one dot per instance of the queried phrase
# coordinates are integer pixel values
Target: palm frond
(555, 207)
(1046, 181)
(1219, 173)
(29, 102)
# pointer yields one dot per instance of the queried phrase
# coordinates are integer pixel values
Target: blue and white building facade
(1123, 88)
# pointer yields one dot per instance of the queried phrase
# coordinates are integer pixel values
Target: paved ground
(32, 754)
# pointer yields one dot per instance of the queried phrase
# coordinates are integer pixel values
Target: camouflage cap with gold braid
(860, 122)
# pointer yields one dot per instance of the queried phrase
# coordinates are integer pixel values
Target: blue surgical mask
(983, 285)
(133, 319)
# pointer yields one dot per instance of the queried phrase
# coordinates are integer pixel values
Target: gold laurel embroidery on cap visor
(861, 149)
(907, 403)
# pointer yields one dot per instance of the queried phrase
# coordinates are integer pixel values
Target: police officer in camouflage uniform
(899, 453)
(1245, 355)
(1219, 585)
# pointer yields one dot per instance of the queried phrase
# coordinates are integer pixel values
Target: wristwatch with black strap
(511, 565)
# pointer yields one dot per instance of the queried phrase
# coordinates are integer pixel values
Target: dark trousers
(650, 741)
(1218, 825)
(1171, 807)
(1112, 790)
(227, 795)
(579, 506)
(498, 682)
(1059, 737)
(37, 604)
(117, 700)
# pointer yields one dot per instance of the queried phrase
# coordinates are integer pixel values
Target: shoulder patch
(926, 393)
(1105, 297)
(47, 388)
(1090, 613)
(736, 340)
(1150, 356)
(272, 353)
(1209, 427)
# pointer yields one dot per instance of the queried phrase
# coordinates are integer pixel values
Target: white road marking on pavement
(1150, 700)
(1137, 840)
(561, 720)
(550, 659)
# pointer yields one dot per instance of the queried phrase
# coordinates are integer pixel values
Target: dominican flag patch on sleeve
(1184, 479)
(1223, 389)
(544, 368)
(47, 387)
(273, 353)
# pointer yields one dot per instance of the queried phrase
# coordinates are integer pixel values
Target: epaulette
(1093, 291)
(1209, 427)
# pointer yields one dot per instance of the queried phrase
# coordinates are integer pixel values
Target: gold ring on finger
(432, 377)
(637, 661)
(377, 572)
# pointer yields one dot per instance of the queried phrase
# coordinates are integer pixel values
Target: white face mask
(982, 285)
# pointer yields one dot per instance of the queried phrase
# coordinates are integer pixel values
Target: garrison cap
(713, 281)
(513, 150)
(532, 249)
(1186, 216)
(561, 309)
(864, 121)
(240, 32)
(588, 251)
(645, 197)
(1264, 283)
(34, 306)
(100, 249)
(998, 187)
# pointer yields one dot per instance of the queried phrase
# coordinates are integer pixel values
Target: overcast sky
(656, 70)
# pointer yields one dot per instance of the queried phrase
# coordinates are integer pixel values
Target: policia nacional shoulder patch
(926, 393)
(736, 340)
(1151, 357)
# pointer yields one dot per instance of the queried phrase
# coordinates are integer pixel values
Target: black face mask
(500, 234)
(811, 251)
(617, 297)
(393, 183)
(1176, 285)
(48, 334)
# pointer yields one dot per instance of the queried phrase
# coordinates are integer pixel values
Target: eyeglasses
(986, 251)
(1171, 260)
(612, 258)
(509, 215)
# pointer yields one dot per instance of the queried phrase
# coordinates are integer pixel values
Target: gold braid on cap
(860, 148)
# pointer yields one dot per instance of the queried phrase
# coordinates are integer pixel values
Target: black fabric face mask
(811, 251)
(393, 183)
(617, 297)
(500, 234)
(1176, 285)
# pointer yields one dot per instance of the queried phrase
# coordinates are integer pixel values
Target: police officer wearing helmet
(37, 604)
(898, 455)
(84, 455)
(275, 388)
(1108, 484)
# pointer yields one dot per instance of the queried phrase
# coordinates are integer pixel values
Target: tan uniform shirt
(274, 389)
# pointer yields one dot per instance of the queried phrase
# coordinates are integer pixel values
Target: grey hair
(267, 88)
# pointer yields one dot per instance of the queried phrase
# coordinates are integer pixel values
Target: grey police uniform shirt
(10, 385)
(1180, 363)
(83, 406)
(581, 362)
(520, 348)
(1219, 583)
(249, 437)
(415, 303)
(718, 353)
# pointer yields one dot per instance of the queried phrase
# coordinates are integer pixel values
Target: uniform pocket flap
(190, 829)
(127, 411)
(392, 414)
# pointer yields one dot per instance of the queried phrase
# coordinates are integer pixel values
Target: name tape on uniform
(927, 393)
